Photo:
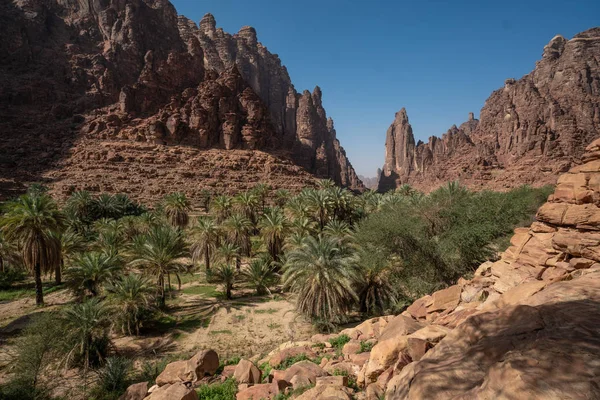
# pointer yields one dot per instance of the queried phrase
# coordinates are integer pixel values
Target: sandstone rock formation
(91, 90)
(529, 131)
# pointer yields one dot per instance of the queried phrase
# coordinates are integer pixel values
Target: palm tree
(111, 235)
(326, 184)
(273, 228)
(90, 271)
(222, 208)
(303, 226)
(319, 202)
(82, 206)
(294, 241)
(70, 243)
(108, 206)
(297, 207)
(376, 286)
(131, 297)
(261, 190)
(247, 204)
(206, 236)
(228, 252)
(323, 276)
(205, 196)
(261, 274)
(177, 207)
(86, 329)
(339, 230)
(8, 252)
(237, 230)
(405, 190)
(159, 253)
(226, 275)
(341, 203)
(30, 221)
(281, 197)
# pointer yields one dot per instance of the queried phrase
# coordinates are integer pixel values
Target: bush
(218, 391)
(365, 346)
(112, 377)
(10, 276)
(431, 241)
(339, 341)
(37, 349)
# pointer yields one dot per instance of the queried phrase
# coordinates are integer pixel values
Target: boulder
(418, 309)
(286, 353)
(446, 299)
(392, 341)
(544, 348)
(304, 369)
(137, 391)
(332, 380)
(247, 372)
(326, 392)
(256, 392)
(352, 347)
(205, 362)
(176, 391)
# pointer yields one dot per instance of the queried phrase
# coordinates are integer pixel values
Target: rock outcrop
(85, 87)
(529, 131)
(527, 325)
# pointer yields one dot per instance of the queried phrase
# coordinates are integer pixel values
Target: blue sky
(439, 59)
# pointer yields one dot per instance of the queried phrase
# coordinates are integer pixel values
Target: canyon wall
(529, 131)
(114, 96)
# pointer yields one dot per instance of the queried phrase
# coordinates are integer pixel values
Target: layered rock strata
(529, 131)
(78, 77)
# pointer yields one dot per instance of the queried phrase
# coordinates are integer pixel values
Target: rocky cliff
(529, 131)
(118, 95)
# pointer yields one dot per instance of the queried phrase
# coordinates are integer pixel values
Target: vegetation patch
(266, 311)
(204, 290)
(218, 391)
(221, 332)
(365, 347)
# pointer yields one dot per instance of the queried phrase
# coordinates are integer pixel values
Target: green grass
(339, 341)
(203, 290)
(351, 381)
(27, 290)
(274, 325)
(267, 311)
(221, 332)
(166, 323)
(218, 391)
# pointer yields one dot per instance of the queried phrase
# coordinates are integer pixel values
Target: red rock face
(529, 132)
(85, 87)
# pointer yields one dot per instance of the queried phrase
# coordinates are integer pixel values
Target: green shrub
(339, 341)
(218, 391)
(288, 362)
(432, 240)
(112, 377)
(365, 346)
(151, 370)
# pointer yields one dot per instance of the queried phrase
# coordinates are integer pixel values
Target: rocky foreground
(524, 327)
(128, 96)
(529, 132)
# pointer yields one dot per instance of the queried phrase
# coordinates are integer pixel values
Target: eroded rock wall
(529, 131)
(77, 76)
